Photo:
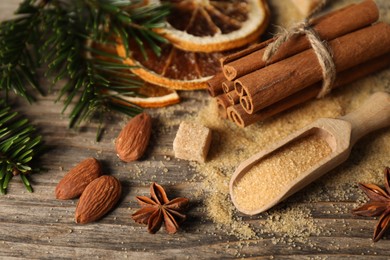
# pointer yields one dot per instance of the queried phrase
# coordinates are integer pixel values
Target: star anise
(158, 209)
(378, 205)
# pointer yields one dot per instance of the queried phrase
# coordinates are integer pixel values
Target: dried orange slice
(174, 68)
(147, 96)
(199, 30)
(152, 96)
(214, 25)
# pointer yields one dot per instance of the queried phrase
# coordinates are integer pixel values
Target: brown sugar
(266, 180)
(231, 145)
(192, 142)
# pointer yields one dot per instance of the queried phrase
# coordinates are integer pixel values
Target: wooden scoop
(340, 134)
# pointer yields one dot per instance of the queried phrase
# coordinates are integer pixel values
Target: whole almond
(75, 181)
(98, 198)
(134, 138)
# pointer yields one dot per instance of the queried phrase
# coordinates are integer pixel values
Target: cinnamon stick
(238, 115)
(214, 85)
(233, 97)
(279, 80)
(328, 27)
(227, 86)
(223, 103)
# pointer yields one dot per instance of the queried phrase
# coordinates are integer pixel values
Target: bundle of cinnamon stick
(249, 89)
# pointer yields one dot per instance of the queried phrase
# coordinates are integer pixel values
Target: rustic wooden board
(37, 225)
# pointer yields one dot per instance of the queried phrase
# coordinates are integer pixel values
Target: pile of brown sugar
(231, 145)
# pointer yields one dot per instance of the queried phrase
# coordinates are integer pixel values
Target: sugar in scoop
(267, 179)
(284, 168)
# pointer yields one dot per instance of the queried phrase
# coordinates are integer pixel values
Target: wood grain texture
(37, 226)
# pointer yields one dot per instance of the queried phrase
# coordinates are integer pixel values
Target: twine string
(320, 48)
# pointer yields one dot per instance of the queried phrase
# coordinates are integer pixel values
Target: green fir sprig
(96, 78)
(65, 39)
(18, 63)
(19, 146)
(59, 33)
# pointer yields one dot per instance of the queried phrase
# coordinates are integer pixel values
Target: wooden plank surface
(37, 225)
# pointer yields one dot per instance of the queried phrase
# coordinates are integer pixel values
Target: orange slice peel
(211, 25)
(150, 96)
(161, 75)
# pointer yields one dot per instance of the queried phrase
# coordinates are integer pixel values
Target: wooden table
(37, 225)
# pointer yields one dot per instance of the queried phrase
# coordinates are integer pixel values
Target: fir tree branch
(18, 147)
(88, 78)
(17, 62)
(71, 52)
(61, 30)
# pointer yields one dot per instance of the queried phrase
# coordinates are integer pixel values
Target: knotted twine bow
(321, 49)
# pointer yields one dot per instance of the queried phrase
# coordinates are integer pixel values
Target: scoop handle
(372, 115)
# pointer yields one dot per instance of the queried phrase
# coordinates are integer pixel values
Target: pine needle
(19, 145)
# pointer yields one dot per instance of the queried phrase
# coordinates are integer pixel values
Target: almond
(134, 138)
(98, 198)
(75, 181)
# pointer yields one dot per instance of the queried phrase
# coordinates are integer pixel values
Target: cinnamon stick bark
(238, 115)
(227, 86)
(223, 103)
(233, 97)
(328, 27)
(214, 85)
(279, 80)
